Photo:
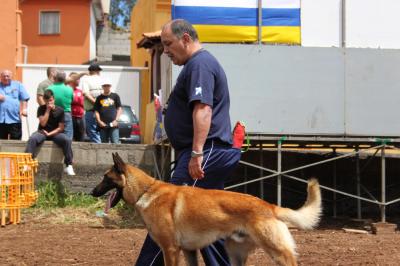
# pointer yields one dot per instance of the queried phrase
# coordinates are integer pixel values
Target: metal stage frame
(355, 145)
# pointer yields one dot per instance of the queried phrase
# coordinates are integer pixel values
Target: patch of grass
(82, 200)
(51, 195)
(56, 205)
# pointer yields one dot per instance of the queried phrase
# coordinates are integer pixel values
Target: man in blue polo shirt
(13, 104)
(198, 125)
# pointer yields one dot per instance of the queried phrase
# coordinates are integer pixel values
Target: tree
(120, 13)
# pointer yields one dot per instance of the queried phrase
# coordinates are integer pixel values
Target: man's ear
(186, 38)
(119, 164)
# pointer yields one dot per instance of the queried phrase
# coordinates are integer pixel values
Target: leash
(152, 262)
(194, 184)
(205, 163)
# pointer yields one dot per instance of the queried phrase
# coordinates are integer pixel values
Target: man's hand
(102, 124)
(50, 106)
(24, 112)
(2, 98)
(195, 170)
(45, 133)
(115, 123)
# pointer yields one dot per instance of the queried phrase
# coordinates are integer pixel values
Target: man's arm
(89, 97)
(39, 99)
(201, 126)
(119, 112)
(97, 115)
(39, 93)
(45, 117)
(56, 131)
(83, 84)
(23, 105)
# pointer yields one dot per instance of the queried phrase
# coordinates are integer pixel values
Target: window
(49, 22)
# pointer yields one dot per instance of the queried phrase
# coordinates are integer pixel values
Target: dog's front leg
(190, 257)
(171, 256)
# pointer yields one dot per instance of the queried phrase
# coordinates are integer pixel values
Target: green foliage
(120, 12)
(53, 194)
(81, 200)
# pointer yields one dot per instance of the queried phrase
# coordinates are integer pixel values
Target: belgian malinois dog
(188, 218)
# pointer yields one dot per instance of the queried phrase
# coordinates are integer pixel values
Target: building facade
(61, 31)
(11, 49)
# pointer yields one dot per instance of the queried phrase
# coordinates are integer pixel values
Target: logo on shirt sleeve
(197, 91)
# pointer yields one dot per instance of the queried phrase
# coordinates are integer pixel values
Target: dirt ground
(64, 238)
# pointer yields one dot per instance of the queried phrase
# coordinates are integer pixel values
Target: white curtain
(50, 22)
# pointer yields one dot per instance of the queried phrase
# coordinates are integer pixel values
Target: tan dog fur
(187, 218)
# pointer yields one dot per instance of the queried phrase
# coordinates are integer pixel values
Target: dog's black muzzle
(103, 187)
(106, 185)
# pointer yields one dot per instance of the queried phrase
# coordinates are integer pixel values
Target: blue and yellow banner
(237, 20)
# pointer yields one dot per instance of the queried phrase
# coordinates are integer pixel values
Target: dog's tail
(307, 217)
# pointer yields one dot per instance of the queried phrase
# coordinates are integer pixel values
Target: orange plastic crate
(17, 189)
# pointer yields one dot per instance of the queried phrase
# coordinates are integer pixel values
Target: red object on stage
(238, 135)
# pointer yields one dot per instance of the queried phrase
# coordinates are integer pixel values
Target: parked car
(129, 129)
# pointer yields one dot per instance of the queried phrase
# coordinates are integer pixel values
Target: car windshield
(127, 115)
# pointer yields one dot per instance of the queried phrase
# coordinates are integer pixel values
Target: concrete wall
(90, 161)
(112, 42)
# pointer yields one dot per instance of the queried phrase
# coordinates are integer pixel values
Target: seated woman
(51, 127)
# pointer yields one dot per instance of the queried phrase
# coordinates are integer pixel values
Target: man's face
(106, 88)
(50, 102)
(174, 48)
(53, 74)
(6, 77)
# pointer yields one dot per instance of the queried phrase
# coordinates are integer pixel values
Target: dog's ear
(119, 164)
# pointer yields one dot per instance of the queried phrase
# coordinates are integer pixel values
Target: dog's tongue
(109, 200)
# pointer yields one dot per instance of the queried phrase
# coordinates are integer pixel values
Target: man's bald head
(5, 77)
(179, 27)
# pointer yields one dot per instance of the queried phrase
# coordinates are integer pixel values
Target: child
(107, 109)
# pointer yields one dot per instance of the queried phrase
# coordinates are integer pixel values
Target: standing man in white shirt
(91, 87)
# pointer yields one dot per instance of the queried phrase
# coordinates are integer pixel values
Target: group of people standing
(70, 108)
(87, 116)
